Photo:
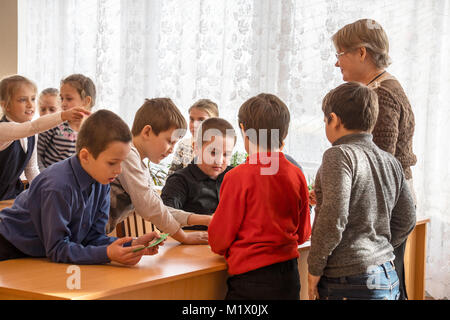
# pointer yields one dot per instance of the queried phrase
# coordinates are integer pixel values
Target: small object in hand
(163, 237)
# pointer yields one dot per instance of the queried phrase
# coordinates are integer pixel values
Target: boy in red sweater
(263, 212)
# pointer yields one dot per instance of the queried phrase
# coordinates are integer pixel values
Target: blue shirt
(62, 216)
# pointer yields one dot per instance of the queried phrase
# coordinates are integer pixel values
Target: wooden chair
(6, 204)
(134, 226)
(26, 185)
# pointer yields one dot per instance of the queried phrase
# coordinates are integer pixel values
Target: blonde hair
(206, 105)
(365, 33)
(84, 86)
(9, 85)
(49, 92)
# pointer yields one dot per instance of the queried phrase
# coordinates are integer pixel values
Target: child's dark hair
(212, 127)
(84, 86)
(265, 112)
(99, 130)
(355, 104)
(161, 114)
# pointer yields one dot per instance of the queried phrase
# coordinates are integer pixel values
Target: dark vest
(13, 161)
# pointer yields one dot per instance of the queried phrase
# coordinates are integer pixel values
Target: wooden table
(177, 272)
(415, 261)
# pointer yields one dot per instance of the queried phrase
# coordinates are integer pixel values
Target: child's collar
(352, 137)
(263, 157)
(82, 176)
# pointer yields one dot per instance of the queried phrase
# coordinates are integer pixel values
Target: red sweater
(261, 219)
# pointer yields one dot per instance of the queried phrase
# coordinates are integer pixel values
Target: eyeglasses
(339, 54)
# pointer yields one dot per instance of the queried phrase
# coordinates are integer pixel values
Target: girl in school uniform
(58, 143)
(17, 132)
(49, 102)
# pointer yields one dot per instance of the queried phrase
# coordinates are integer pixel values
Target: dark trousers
(8, 251)
(279, 281)
(399, 253)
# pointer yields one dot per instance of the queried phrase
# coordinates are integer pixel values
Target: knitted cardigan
(394, 128)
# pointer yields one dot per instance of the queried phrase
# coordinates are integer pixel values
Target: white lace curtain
(231, 50)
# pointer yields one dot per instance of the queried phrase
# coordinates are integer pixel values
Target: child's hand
(200, 237)
(74, 114)
(124, 255)
(145, 241)
(312, 197)
(199, 219)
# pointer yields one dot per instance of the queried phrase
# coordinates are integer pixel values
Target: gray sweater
(364, 208)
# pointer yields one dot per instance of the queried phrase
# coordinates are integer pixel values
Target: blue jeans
(379, 283)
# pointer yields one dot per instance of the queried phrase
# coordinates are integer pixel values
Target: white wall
(8, 37)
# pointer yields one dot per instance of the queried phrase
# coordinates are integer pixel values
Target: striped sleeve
(56, 145)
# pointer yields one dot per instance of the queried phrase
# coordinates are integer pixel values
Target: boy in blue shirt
(63, 215)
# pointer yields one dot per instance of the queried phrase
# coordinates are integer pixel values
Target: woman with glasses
(363, 55)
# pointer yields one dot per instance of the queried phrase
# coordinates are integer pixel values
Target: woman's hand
(312, 197)
(313, 292)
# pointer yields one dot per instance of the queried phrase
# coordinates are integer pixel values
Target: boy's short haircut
(9, 85)
(161, 114)
(213, 127)
(99, 130)
(206, 105)
(84, 86)
(267, 115)
(355, 104)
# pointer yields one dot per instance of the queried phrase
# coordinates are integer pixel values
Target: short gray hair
(365, 33)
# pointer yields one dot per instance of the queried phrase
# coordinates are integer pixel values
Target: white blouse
(12, 131)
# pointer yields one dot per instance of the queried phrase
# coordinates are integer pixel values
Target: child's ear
(332, 118)
(146, 131)
(241, 126)
(87, 102)
(83, 155)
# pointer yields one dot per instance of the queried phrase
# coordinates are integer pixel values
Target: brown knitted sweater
(394, 129)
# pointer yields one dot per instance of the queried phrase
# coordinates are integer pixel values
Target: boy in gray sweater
(364, 207)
